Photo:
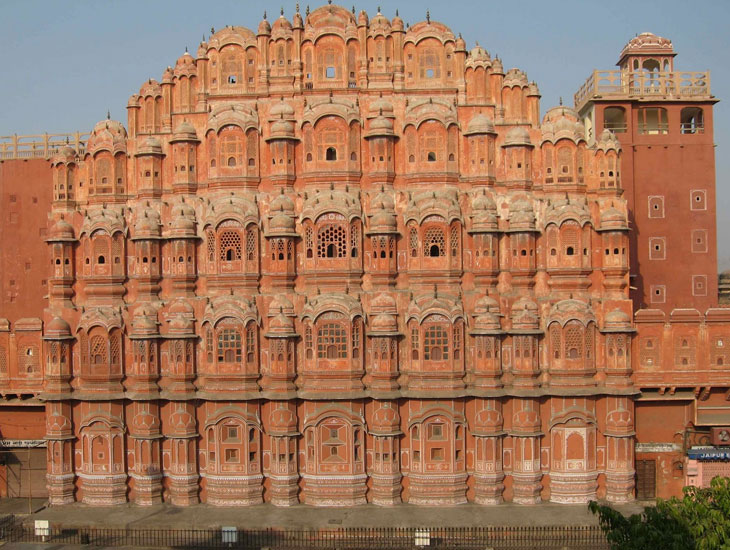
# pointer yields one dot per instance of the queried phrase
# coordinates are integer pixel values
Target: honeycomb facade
(339, 261)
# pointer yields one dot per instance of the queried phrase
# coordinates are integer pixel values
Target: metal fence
(456, 538)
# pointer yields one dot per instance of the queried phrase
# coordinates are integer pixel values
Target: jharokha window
(229, 345)
(332, 238)
(434, 240)
(332, 341)
(232, 248)
(435, 343)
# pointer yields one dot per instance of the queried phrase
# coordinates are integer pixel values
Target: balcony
(42, 146)
(643, 84)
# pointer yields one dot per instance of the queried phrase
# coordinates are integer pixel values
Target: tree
(700, 520)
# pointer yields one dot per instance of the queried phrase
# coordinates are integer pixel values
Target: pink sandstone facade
(339, 261)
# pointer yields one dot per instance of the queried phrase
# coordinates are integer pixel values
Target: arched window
(653, 120)
(692, 121)
(434, 242)
(330, 153)
(332, 241)
(436, 342)
(614, 119)
(230, 147)
(230, 246)
(573, 341)
(229, 345)
(332, 341)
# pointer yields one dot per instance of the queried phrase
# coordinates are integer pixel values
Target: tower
(663, 120)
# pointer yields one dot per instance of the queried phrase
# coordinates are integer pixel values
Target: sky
(66, 62)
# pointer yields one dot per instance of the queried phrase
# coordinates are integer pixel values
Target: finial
(307, 12)
(329, 2)
(108, 114)
(396, 12)
(353, 9)
(212, 31)
(561, 101)
(66, 140)
(435, 291)
(408, 25)
(378, 10)
(428, 16)
(203, 39)
(264, 15)
(297, 7)
(186, 49)
(281, 11)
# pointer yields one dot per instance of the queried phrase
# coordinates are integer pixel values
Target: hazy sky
(66, 62)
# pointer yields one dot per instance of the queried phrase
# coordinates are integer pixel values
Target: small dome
(648, 42)
(64, 155)
(488, 420)
(460, 44)
(283, 420)
(521, 215)
(518, 135)
(524, 313)
(481, 124)
(146, 422)
(725, 276)
(282, 128)
(264, 26)
(61, 230)
(183, 220)
(383, 303)
(281, 109)
(383, 323)
(479, 54)
(282, 202)
(281, 325)
(185, 132)
(281, 222)
(396, 23)
(383, 221)
(144, 322)
(381, 123)
(150, 146)
(57, 329)
(382, 106)
(386, 420)
(613, 218)
(487, 322)
(282, 24)
(108, 135)
(486, 304)
(281, 303)
(147, 224)
(497, 67)
(617, 320)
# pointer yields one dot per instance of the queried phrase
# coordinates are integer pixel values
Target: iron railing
(525, 537)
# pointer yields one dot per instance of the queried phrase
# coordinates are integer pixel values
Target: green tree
(700, 519)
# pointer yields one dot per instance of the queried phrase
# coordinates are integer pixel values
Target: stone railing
(643, 84)
(41, 146)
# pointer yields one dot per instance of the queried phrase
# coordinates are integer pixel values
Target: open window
(692, 121)
(653, 120)
(614, 119)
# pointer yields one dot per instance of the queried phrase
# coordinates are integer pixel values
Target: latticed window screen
(29, 361)
(115, 347)
(455, 241)
(436, 343)
(573, 341)
(250, 244)
(684, 351)
(555, 340)
(457, 340)
(251, 143)
(649, 352)
(101, 248)
(719, 351)
(309, 240)
(289, 249)
(570, 239)
(277, 249)
(3, 360)
(231, 149)
(308, 343)
(414, 341)
(98, 350)
(332, 341)
(117, 247)
(250, 343)
(354, 239)
(332, 241)
(210, 244)
(434, 242)
(229, 345)
(230, 246)
(589, 342)
(355, 339)
(517, 346)
(413, 242)
(209, 344)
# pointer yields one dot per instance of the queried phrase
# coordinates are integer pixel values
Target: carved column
(144, 431)
(60, 470)
(283, 472)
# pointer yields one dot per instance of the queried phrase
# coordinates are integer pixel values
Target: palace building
(342, 260)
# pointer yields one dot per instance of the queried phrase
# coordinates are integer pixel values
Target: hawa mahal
(342, 260)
